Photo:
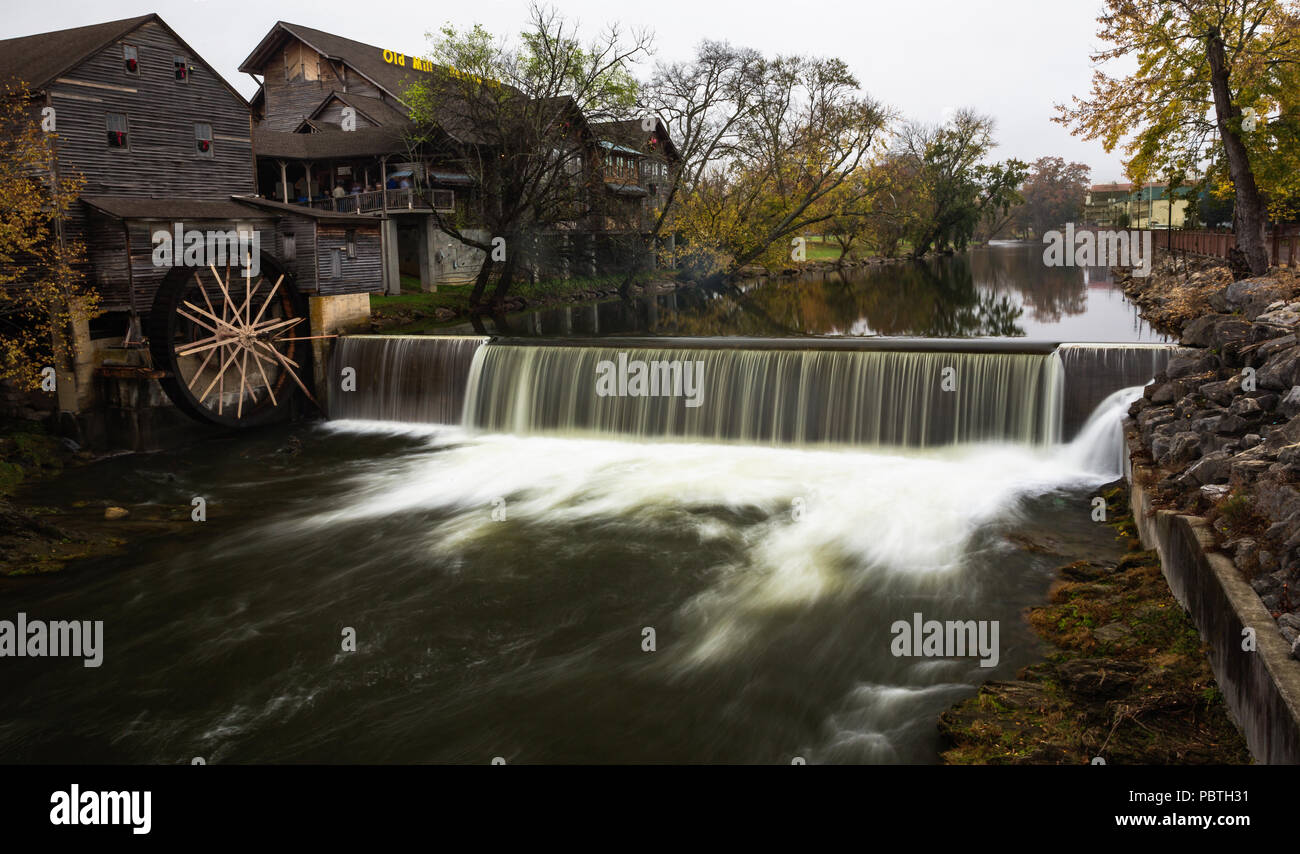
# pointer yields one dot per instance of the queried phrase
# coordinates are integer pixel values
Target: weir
(800, 392)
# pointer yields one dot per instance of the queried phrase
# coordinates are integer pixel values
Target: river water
(549, 589)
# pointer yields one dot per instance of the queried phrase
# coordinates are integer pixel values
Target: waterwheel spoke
(191, 349)
(257, 361)
(286, 361)
(270, 296)
(243, 372)
(221, 373)
(202, 368)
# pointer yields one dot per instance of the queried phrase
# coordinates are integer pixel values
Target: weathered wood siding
(362, 274)
(303, 266)
(333, 112)
(161, 159)
(106, 248)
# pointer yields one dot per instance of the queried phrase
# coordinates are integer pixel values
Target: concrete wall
(333, 315)
(1261, 687)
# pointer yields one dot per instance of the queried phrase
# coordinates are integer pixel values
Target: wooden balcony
(379, 201)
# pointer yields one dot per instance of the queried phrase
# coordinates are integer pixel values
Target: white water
(866, 516)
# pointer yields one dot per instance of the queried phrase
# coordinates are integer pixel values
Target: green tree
(955, 188)
(513, 117)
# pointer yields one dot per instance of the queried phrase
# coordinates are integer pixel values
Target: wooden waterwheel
(231, 344)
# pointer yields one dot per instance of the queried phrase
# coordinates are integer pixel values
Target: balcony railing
(615, 175)
(374, 201)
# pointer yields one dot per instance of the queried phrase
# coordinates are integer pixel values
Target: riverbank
(1125, 677)
(1219, 429)
(414, 311)
(38, 537)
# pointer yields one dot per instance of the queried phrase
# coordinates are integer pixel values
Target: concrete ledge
(1262, 688)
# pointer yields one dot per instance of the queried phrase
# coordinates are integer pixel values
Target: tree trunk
(1251, 215)
(507, 278)
(480, 283)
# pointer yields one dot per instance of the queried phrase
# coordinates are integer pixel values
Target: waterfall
(913, 393)
(774, 396)
(402, 378)
(1094, 371)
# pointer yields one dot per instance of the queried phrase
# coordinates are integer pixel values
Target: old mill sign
(392, 57)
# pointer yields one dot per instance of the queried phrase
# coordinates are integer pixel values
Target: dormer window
(131, 59)
(181, 66)
(203, 139)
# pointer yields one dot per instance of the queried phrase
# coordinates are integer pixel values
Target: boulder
(1214, 467)
(1183, 447)
(1252, 297)
(1221, 392)
(1183, 366)
(1281, 371)
(1200, 332)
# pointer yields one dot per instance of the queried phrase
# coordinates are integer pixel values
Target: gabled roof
(632, 135)
(37, 60)
(374, 110)
(40, 59)
(366, 59)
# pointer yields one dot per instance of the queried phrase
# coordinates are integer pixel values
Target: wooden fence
(1283, 243)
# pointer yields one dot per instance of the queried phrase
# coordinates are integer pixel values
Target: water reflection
(999, 291)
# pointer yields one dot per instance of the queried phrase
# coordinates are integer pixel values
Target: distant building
(1123, 204)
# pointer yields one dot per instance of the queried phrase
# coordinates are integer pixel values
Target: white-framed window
(181, 68)
(118, 130)
(131, 59)
(203, 139)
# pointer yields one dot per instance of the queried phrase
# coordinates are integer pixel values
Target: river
(537, 583)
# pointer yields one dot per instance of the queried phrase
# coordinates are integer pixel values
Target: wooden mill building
(162, 139)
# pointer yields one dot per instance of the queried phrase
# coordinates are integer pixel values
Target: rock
(1159, 394)
(1221, 392)
(1291, 621)
(1231, 425)
(1111, 632)
(111, 513)
(1279, 372)
(1246, 407)
(1155, 416)
(1231, 335)
(1214, 467)
(1100, 677)
(1250, 440)
(1183, 366)
(1215, 491)
(1289, 405)
(1200, 332)
(1183, 447)
(1287, 315)
(1276, 345)
(1254, 296)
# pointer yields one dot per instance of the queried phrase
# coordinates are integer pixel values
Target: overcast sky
(1012, 59)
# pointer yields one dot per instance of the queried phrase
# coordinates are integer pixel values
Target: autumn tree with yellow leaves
(41, 286)
(1207, 73)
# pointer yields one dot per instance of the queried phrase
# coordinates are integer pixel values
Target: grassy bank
(414, 309)
(1126, 678)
